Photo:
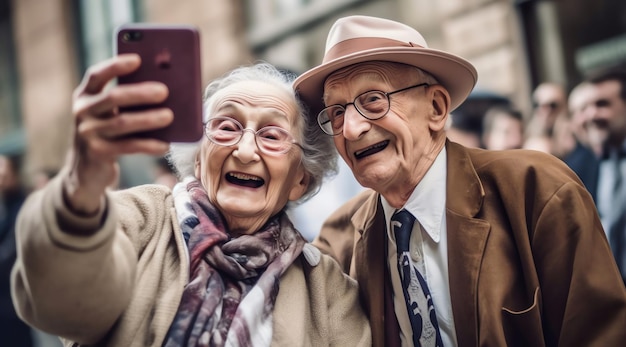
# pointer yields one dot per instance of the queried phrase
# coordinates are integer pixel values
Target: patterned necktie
(418, 300)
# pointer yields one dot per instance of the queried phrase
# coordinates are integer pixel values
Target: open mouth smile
(244, 180)
(373, 149)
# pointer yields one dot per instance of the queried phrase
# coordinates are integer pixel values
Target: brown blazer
(529, 263)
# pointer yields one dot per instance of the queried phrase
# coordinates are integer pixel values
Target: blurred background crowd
(540, 66)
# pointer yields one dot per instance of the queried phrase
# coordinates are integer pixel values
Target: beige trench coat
(120, 285)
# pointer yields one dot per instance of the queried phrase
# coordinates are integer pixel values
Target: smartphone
(169, 54)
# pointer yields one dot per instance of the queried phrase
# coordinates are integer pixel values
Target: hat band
(360, 44)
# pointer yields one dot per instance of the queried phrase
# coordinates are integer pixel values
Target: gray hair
(425, 77)
(319, 157)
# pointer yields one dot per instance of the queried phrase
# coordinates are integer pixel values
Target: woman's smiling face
(247, 185)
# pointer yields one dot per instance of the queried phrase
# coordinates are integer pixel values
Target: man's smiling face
(395, 151)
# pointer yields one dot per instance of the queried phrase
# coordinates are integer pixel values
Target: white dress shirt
(427, 203)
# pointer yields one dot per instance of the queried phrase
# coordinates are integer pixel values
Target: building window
(271, 21)
(572, 38)
(98, 20)
(11, 132)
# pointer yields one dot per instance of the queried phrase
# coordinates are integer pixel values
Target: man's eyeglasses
(226, 131)
(372, 105)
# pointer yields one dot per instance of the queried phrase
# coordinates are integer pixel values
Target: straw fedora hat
(358, 39)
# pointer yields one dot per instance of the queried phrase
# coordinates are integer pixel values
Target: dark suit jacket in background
(586, 165)
(529, 263)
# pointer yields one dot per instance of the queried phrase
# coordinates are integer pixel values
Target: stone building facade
(514, 44)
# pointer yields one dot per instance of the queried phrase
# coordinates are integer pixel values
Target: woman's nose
(247, 150)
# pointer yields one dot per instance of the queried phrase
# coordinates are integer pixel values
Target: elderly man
(453, 246)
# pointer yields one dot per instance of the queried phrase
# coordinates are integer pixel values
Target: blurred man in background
(13, 331)
(503, 128)
(605, 122)
(547, 120)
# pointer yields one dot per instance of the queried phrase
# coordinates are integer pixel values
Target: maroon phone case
(169, 54)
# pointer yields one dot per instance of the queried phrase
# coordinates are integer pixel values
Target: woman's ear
(196, 166)
(300, 184)
(440, 107)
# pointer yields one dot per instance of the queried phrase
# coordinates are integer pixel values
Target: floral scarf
(233, 281)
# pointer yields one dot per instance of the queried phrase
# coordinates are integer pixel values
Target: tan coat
(529, 263)
(120, 285)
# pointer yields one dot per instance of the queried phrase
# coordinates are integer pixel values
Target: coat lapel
(467, 237)
(369, 250)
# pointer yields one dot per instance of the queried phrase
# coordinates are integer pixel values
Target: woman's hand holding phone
(103, 132)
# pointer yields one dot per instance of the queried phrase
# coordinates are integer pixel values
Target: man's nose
(354, 124)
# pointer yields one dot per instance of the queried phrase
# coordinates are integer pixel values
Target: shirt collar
(428, 200)
(613, 153)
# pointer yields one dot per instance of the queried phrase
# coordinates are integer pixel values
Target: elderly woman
(217, 262)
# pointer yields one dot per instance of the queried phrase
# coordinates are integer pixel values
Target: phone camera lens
(137, 35)
(132, 36)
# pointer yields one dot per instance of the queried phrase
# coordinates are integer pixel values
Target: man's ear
(300, 185)
(440, 107)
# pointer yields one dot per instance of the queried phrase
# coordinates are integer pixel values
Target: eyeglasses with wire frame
(226, 131)
(372, 105)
